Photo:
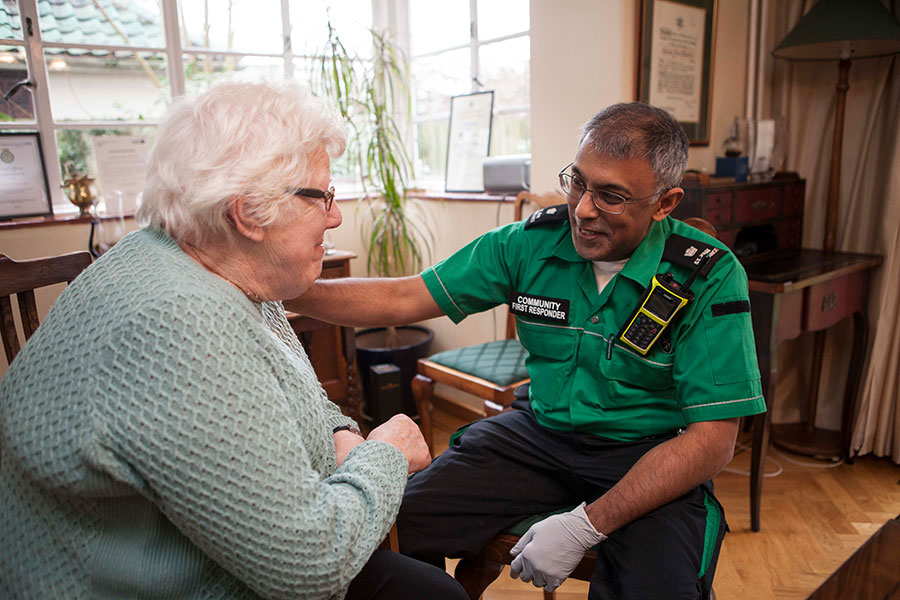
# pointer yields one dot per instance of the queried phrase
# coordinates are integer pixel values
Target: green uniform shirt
(582, 378)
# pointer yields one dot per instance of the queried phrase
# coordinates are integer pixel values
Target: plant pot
(373, 348)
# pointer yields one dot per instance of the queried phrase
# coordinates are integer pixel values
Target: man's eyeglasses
(605, 200)
(327, 196)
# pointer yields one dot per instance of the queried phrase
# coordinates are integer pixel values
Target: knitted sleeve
(209, 428)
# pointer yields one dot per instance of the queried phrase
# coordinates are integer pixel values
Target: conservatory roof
(82, 22)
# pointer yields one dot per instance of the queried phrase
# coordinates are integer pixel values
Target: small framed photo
(24, 191)
(469, 141)
(675, 56)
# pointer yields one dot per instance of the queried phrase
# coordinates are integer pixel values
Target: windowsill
(421, 194)
(54, 220)
(74, 218)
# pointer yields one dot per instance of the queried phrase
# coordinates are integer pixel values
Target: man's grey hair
(638, 130)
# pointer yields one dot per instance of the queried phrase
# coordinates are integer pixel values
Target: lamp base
(823, 444)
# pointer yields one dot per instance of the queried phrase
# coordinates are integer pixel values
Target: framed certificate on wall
(24, 191)
(675, 55)
(469, 141)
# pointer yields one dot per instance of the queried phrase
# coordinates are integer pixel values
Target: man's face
(603, 236)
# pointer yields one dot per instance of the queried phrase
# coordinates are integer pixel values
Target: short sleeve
(716, 371)
(476, 277)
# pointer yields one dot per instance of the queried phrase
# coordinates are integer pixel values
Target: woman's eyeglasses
(327, 196)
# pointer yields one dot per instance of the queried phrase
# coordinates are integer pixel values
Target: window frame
(37, 72)
(386, 14)
(474, 45)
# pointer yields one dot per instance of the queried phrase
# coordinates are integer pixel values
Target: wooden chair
(489, 371)
(476, 573)
(21, 278)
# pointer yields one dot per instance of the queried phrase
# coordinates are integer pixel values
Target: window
(107, 67)
(111, 67)
(463, 46)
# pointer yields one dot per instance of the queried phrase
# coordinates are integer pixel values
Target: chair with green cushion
(490, 371)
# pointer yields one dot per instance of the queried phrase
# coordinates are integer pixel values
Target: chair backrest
(21, 278)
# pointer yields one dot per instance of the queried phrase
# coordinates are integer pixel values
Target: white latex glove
(552, 548)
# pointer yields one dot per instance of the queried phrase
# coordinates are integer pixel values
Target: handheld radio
(660, 303)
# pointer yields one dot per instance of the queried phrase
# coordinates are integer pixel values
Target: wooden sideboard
(792, 290)
(749, 217)
(331, 348)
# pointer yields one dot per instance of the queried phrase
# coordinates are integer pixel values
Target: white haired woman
(163, 432)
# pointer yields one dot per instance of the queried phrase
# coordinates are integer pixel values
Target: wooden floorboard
(813, 519)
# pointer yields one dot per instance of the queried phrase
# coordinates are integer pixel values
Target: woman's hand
(344, 442)
(402, 433)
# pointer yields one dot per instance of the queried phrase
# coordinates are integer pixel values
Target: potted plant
(371, 95)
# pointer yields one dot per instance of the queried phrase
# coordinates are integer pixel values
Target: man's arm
(666, 472)
(367, 302)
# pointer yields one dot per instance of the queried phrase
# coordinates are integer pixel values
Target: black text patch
(688, 253)
(539, 307)
(730, 308)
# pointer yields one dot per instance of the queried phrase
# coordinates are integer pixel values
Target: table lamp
(834, 30)
(841, 30)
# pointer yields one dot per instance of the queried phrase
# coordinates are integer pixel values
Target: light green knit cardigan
(163, 436)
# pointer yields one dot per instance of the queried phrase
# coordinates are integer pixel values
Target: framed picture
(469, 141)
(24, 191)
(675, 57)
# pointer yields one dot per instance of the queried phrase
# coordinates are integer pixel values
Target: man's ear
(244, 224)
(667, 203)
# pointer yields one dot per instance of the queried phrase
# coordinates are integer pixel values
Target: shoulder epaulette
(550, 214)
(689, 252)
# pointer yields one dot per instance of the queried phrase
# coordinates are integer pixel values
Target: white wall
(584, 58)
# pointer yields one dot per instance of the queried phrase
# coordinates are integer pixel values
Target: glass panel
(437, 78)
(104, 22)
(94, 86)
(510, 134)
(438, 25)
(497, 18)
(76, 154)
(432, 153)
(19, 106)
(351, 20)
(10, 23)
(202, 70)
(505, 68)
(239, 25)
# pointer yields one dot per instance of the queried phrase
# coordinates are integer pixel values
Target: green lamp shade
(842, 29)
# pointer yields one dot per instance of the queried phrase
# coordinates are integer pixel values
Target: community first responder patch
(539, 307)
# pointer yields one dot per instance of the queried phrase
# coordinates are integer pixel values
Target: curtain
(869, 213)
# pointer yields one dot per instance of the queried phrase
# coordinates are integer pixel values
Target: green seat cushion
(501, 362)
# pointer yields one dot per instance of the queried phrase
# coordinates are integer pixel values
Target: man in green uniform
(631, 435)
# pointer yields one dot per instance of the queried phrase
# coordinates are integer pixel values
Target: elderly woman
(163, 432)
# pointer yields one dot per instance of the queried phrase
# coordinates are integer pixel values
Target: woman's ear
(244, 224)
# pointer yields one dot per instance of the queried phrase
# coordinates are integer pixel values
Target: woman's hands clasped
(400, 432)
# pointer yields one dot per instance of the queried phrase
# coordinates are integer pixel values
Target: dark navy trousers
(503, 469)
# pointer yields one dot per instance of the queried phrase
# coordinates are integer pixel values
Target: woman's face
(295, 246)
